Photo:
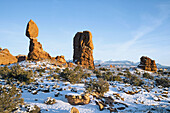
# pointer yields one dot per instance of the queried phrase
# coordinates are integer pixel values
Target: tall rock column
(36, 51)
(83, 49)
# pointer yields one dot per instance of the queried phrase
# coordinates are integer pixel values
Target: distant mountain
(123, 63)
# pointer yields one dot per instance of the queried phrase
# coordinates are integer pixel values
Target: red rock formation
(6, 57)
(36, 51)
(32, 30)
(83, 49)
(147, 64)
(21, 58)
(60, 59)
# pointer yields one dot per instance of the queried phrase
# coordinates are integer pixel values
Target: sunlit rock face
(6, 57)
(147, 64)
(83, 49)
(36, 51)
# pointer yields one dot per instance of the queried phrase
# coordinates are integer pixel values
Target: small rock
(74, 110)
(121, 108)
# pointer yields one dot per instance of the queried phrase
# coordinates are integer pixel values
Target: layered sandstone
(83, 49)
(36, 51)
(147, 64)
(6, 57)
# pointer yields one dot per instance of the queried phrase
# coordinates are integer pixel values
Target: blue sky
(121, 29)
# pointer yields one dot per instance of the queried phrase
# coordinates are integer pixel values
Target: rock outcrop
(83, 49)
(6, 57)
(147, 64)
(36, 51)
(60, 59)
(78, 99)
(21, 58)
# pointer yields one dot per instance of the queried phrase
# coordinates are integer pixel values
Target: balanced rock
(147, 64)
(83, 49)
(6, 57)
(60, 59)
(36, 51)
(32, 30)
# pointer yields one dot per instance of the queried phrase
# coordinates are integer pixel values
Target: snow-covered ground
(143, 101)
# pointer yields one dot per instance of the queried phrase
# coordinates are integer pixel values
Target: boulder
(74, 110)
(70, 64)
(36, 51)
(21, 58)
(83, 49)
(61, 59)
(147, 64)
(78, 99)
(32, 30)
(6, 57)
(100, 104)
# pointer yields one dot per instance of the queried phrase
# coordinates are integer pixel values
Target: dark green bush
(16, 72)
(133, 80)
(147, 75)
(165, 82)
(57, 70)
(100, 86)
(71, 76)
(116, 78)
(120, 73)
(78, 68)
(104, 69)
(56, 76)
(42, 70)
(10, 98)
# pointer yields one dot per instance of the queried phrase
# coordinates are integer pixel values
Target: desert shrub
(86, 75)
(133, 80)
(78, 68)
(115, 78)
(100, 86)
(165, 82)
(98, 73)
(56, 76)
(42, 70)
(90, 67)
(71, 76)
(147, 75)
(16, 72)
(120, 73)
(57, 70)
(10, 98)
(4, 71)
(104, 69)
